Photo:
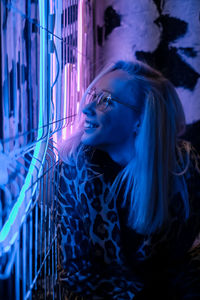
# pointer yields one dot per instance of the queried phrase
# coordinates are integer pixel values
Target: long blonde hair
(158, 159)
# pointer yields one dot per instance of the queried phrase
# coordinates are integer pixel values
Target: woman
(129, 201)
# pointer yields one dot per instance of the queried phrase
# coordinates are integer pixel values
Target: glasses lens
(102, 99)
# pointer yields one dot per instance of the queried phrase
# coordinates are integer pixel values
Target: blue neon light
(10, 229)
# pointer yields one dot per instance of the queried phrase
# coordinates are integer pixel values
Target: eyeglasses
(104, 98)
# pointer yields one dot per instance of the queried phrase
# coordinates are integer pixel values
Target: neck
(121, 154)
(122, 160)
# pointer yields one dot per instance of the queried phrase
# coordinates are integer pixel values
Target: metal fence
(46, 58)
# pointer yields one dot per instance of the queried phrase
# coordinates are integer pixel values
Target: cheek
(117, 125)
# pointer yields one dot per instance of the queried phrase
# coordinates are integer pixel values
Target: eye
(106, 99)
(103, 99)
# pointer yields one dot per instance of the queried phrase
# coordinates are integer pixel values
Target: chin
(88, 141)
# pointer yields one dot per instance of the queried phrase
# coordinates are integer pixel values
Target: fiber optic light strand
(64, 132)
(80, 44)
(10, 6)
(11, 228)
(37, 129)
(56, 73)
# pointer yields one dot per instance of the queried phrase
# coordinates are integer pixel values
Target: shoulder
(73, 166)
(188, 159)
(185, 187)
(195, 162)
(192, 177)
(70, 174)
(193, 170)
(193, 183)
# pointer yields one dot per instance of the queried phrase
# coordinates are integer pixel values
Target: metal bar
(39, 271)
(24, 260)
(45, 232)
(36, 239)
(30, 250)
(53, 256)
(41, 219)
(17, 271)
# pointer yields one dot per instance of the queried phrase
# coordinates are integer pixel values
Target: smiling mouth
(89, 124)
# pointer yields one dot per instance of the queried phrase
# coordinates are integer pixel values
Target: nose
(90, 109)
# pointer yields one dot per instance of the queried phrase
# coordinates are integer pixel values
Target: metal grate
(46, 58)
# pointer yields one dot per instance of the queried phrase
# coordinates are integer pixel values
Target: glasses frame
(115, 99)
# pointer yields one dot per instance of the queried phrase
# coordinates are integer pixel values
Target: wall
(165, 34)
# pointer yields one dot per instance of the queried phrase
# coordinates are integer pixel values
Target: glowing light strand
(10, 229)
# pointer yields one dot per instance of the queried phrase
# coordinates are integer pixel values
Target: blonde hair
(146, 177)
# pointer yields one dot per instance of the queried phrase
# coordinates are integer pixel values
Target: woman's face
(114, 126)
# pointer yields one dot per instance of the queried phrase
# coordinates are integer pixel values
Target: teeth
(90, 125)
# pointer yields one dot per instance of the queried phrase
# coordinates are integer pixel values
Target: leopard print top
(100, 257)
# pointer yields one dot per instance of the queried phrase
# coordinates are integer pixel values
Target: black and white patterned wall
(163, 33)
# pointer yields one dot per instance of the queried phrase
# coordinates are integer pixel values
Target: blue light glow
(10, 229)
